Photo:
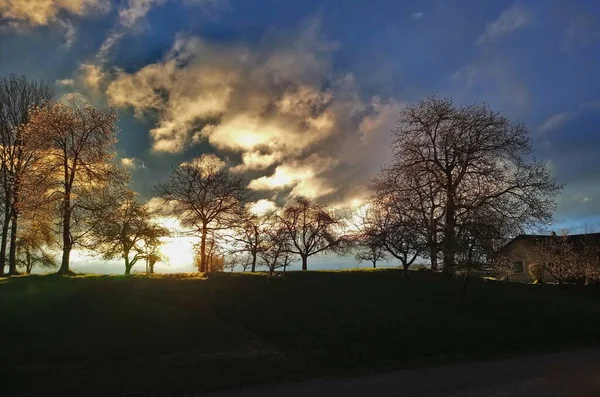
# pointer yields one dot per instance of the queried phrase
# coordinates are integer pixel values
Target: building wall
(521, 251)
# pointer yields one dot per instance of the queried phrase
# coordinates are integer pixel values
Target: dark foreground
(175, 335)
(569, 374)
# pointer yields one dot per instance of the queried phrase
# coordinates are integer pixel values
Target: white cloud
(65, 83)
(135, 10)
(262, 207)
(132, 163)
(416, 15)
(512, 19)
(554, 122)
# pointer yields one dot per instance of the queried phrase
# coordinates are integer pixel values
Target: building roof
(590, 238)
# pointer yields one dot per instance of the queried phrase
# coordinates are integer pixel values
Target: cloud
(132, 163)
(554, 122)
(252, 161)
(495, 79)
(26, 14)
(69, 31)
(416, 15)
(297, 125)
(135, 10)
(583, 30)
(65, 83)
(92, 75)
(510, 20)
(262, 206)
(44, 12)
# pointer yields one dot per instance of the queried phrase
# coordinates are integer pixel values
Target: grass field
(99, 335)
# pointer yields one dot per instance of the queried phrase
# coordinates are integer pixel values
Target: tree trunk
(28, 264)
(202, 267)
(405, 271)
(304, 262)
(449, 229)
(151, 267)
(66, 254)
(128, 265)
(4, 239)
(66, 235)
(253, 261)
(434, 261)
(374, 264)
(464, 288)
(12, 255)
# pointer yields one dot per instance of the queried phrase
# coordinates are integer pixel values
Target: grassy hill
(176, 334)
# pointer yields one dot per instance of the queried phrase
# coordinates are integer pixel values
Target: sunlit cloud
(92, 75)
(262, 207)
(276, 105)
(44, 12)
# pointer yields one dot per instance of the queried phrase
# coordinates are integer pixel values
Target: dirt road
(569, 374)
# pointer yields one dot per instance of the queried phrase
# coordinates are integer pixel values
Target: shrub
(536, 271)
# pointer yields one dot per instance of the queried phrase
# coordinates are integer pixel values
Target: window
(518, 268)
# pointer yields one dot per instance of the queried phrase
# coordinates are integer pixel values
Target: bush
(536, 271)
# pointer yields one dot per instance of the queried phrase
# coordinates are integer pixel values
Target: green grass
(176, 334)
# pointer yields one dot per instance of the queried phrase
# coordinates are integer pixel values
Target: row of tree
(462, 181)
(61, 185)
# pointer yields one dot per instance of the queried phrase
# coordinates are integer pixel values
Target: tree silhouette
(470, 159)
(18, 153)
(205, 197)
(312, 228)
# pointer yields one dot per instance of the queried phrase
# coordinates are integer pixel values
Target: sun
(178, 249)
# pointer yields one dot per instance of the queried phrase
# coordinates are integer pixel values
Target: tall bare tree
(471, 158)
(205, 197)
(82, 155)
(18, 96)
(312, 229)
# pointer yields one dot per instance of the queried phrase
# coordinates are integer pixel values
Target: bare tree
(312, 228)
(124, 229)
(470, 158)
(391, 227)
(366, 245)
(82, 153)
(249, 233)
(204, 196)
(370, 250)
(276, 246)
(422, 204)
(18, 96)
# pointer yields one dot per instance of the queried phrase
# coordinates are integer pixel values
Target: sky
(300, 97)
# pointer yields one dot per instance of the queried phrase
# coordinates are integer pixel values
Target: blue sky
(300, 96)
